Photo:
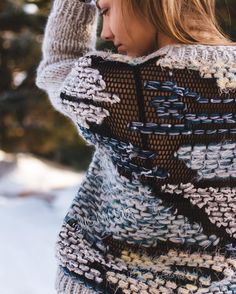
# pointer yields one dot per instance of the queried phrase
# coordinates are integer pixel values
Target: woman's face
(130, 34)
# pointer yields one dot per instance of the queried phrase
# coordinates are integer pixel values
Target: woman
(156, 210)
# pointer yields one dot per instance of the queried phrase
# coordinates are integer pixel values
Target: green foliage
(28, 122)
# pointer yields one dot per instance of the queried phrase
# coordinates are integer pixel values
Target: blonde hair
(184, 21)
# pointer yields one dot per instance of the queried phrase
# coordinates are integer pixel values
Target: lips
(117, 45)
(121, 49)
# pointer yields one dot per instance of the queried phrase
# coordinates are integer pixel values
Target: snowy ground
(34, 198)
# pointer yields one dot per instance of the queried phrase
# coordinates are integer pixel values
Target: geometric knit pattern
(149, 219)
(212, 161)
(95, 261)
(85, 84)
(218, 203)
(155, 212)
(218, 62)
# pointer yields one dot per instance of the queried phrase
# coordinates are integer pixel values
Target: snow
(34, 198)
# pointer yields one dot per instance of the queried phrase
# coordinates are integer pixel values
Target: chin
(136, 54)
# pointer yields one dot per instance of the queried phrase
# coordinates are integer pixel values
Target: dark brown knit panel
(128, 82)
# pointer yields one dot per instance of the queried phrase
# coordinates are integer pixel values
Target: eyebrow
(98, 7)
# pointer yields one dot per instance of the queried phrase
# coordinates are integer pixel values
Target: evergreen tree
(28, 122)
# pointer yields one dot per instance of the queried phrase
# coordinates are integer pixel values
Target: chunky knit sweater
(156, 210)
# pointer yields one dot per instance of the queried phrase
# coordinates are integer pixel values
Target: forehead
(98, 2)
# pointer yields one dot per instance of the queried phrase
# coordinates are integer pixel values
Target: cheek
(140, 33)
(144, 41)
(120, 27)
(147, 36)
(114, 23)
(117, 21)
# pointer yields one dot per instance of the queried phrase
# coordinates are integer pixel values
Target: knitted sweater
(156, 210)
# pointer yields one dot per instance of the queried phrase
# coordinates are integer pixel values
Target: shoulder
(180, 53)
(211, 61)
(196, 56)
(216, 62)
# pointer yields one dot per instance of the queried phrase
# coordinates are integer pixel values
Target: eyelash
(103, 11)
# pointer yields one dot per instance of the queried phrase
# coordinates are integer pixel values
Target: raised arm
(70, 33)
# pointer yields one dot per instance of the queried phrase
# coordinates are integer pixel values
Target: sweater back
(161, 185)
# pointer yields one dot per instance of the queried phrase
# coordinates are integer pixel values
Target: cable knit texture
(156, 212)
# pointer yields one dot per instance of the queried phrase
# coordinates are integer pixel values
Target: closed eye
(103, 11)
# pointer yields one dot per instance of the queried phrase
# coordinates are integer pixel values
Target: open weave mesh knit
(156, 210)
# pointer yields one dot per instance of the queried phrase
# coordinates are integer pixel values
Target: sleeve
(70, 33)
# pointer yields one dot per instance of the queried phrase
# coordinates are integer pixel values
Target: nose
(106, 33)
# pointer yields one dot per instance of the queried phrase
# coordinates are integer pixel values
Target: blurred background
(42, 159)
